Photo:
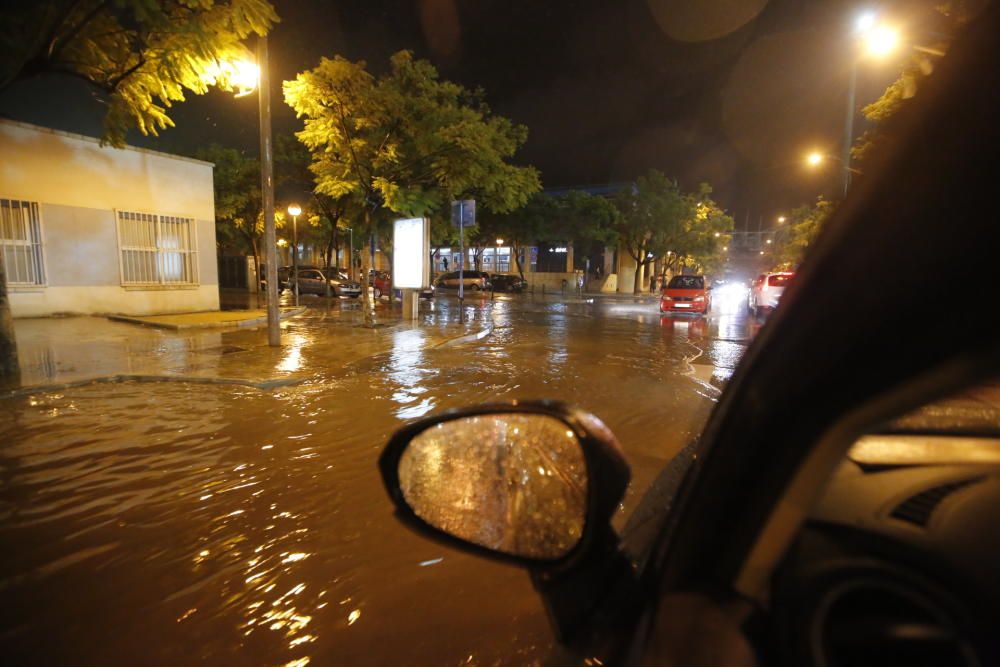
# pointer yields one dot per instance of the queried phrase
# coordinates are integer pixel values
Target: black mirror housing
(607, 476)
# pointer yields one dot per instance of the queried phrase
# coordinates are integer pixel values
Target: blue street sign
(463, 213)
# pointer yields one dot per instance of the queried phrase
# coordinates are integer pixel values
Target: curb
(231, 324)
(466, 338)
(107, 379)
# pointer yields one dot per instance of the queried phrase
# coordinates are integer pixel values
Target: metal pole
(461, 265)
(295, 256)
(267, 192)
(849, 125)
(350, 256)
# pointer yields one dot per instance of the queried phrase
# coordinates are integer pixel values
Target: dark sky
(732, 92)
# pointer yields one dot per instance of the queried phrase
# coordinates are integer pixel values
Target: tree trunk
(10, 371)
(366, 297)
(639, 257)
(256, 262)
(516, 249)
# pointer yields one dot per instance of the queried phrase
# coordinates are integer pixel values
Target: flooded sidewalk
(319, 338)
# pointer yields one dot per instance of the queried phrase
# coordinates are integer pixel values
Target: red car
(381, 283)
(686, 294)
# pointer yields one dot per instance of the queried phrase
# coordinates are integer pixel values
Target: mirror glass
(515, 483)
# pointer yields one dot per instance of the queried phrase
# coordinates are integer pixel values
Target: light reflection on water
(173, 523)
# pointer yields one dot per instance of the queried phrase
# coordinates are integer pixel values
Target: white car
(766, 290)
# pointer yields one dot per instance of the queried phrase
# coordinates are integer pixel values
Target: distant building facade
(92, 229)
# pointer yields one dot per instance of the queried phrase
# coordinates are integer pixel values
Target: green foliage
(407, 141)
(949, 17)
(658, 220)
(803, 226)
(239, 214)
(141, 55)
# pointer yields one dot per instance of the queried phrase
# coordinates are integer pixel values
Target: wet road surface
(174, 523)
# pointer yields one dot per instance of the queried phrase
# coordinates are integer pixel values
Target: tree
(942, 23)
(701, 233)
(140, 55)
(327, 216)
(651, 220)
(658, 220)
(238, 206)
(576, 217)
(406, 142)
(804, 224)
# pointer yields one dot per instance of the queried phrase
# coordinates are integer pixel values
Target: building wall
(79, 186)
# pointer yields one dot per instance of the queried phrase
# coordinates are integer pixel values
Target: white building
(91, 229)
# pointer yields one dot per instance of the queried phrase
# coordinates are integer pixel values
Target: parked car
(381, 284)
(473, 280)
(686, 294)
(817, 520)
(766, 290)
(313, 281)
(507, 282)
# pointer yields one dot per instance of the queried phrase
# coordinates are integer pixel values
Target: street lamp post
(877, 41)
(267, 192)
(496, 267)
(295, 211)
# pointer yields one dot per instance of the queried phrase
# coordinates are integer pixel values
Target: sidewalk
(325, 341)
(214, 319)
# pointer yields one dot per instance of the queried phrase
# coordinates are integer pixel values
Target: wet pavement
(205, 520)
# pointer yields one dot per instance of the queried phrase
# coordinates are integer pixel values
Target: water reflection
(408, 373)
(200, 523)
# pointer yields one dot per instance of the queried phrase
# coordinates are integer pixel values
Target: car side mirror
(530, 483)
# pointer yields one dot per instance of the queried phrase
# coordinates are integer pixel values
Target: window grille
(157, 249)
(21, 242)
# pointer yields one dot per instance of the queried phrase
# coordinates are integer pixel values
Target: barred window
(21, 242)
(157, 249)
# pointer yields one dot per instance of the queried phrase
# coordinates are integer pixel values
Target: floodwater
(174, 523)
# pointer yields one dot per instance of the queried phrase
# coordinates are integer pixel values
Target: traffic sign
(463, 213)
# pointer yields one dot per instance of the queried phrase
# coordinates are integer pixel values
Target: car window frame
(756, 475)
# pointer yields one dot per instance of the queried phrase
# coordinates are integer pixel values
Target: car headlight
(699, 298)
(667, 297)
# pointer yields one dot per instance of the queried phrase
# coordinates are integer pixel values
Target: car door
(310, 282)
(831, 363)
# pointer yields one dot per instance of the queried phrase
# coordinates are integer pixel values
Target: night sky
(732, 92)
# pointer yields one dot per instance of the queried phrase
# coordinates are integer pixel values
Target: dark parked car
(817, 520)
(506, 282)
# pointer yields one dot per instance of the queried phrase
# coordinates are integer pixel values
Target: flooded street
(166, 523)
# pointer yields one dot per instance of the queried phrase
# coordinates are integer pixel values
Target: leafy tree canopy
(141, 55)
(944, 22)
(407, 141)
(804, 225)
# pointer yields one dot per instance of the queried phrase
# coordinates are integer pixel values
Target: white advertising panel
(411, 253)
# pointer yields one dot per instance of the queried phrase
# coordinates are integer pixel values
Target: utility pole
(267, 191)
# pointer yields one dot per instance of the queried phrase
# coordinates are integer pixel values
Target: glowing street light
(781, 219)
(242, 75)
(814, 159)
(880, 41)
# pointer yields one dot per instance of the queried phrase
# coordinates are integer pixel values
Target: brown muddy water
(173, 523)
